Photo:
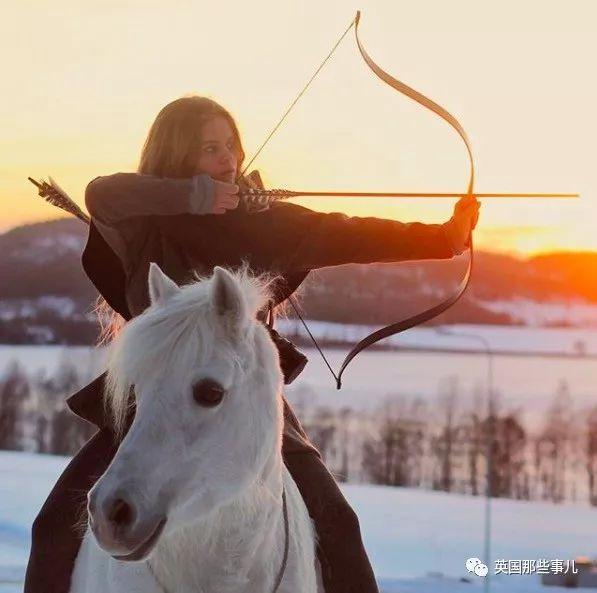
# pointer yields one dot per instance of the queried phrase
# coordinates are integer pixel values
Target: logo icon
(475, 565)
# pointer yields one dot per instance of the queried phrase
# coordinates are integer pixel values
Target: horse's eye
(208, 393)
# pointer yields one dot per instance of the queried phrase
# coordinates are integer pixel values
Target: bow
(260, 198)
(434, 311)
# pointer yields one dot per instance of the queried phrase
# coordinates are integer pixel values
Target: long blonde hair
(171, 149)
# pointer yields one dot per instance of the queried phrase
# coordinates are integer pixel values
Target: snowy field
(501, 338)
(418, 541)
(529, 382)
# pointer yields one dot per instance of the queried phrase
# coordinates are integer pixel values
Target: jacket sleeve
(113, 198)
(316, 240)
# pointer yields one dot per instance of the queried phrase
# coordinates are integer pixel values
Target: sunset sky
(82, 83)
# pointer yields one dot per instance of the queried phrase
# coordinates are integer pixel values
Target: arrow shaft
(294, 194)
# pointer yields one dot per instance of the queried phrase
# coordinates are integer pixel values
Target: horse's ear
(161, 287)
(227, 299)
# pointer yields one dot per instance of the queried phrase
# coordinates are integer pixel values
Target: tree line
(33, 413)
(450, 444)
(459, 445)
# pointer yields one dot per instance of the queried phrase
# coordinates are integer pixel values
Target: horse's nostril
(121, 513)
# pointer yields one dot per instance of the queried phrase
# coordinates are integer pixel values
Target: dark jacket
(286, 239)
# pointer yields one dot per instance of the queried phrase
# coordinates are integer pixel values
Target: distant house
(586, 575)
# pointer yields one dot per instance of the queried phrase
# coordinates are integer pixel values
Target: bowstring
(297, 98)
(336, 377)
(262, 146)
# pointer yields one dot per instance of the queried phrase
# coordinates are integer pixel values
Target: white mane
(166, 337)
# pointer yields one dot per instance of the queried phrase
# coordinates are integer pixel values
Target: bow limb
(447, 303)
(439, 110)
(419, 98)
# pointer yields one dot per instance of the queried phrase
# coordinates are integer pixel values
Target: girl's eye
(208, 393)
(213, 148)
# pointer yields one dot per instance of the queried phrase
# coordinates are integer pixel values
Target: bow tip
(357, 18)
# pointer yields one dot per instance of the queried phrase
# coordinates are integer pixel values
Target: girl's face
(218, 155)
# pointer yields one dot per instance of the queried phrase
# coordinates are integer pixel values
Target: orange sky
(518, 76)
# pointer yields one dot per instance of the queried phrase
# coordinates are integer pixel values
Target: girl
(182, 210)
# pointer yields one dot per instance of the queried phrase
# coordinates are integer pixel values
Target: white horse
(193, 501)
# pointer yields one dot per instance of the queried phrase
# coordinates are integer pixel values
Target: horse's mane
(167, 338)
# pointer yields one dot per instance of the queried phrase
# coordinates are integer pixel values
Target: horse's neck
(241, 542)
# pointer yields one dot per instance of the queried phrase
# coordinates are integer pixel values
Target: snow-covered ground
(574, 312)
(528, 382)
(412, 536)
(455, 338)
(23, 308)
(460, 337)
(418, 541)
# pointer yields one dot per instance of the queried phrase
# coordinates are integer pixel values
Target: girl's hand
(225, 197)
(463, 221)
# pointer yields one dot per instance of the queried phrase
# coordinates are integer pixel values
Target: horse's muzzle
(118, 528)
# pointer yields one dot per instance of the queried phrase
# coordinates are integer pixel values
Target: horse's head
(205, 378)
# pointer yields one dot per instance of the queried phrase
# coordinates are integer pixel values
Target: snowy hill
(418, 541)
(45, 296)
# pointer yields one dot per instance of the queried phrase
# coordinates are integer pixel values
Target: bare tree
(344, 442)
(58, 430)
(395, 455)
(475, 439)
(508, 457)
(444, 443)
(321, 429)
(552, 447)
(14, 391)
(591, 454)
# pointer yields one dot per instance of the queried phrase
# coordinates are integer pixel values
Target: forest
(441, 444)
